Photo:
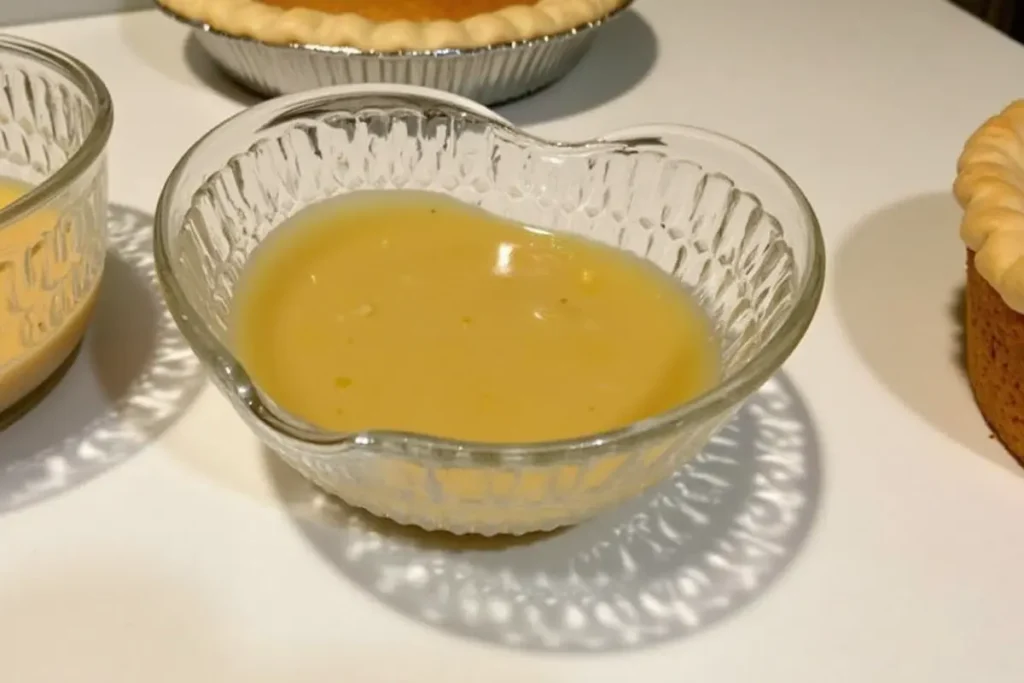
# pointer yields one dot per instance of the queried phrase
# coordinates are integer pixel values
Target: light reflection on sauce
(503, 264)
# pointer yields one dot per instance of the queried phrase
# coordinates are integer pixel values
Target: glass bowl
(722, 219)
(55, 120)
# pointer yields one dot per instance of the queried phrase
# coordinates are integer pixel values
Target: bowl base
(24, 405)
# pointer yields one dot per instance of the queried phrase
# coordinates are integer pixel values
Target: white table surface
(178, 561)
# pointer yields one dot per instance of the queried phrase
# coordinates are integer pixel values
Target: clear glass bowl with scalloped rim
(721, 218)
(55, 121)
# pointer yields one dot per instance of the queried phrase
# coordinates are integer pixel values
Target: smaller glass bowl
(722, 219)
(55, 120)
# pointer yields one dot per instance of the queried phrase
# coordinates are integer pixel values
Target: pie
(396, 25)
(990, 188)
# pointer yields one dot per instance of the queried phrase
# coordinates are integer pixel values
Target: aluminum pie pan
(488, 75)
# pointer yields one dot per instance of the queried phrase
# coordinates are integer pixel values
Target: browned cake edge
(995, 360)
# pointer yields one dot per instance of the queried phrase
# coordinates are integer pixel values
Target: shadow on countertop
(899, 292)
(133, 376)
(622, 55)
(215, 78)
(687, 554)
(155, 39)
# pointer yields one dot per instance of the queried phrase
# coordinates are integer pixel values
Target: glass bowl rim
(314, 441)
(95, 142)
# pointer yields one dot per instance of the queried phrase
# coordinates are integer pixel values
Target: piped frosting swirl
(990, 188)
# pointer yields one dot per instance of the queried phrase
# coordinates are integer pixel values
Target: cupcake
(990, 188)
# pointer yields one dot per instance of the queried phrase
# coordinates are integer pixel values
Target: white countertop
(177, 561)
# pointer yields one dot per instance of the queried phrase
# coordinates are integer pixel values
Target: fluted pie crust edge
(270, 24)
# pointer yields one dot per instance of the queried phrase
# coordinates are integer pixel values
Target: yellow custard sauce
(411, 311)
(46, 295)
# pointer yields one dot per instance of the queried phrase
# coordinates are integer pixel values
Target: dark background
(1005, 15)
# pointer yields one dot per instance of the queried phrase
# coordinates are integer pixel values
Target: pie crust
(990, 188)
(271, 24)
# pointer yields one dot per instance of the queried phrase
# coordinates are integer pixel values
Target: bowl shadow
(899, 291)
(685, 555)
(132, 377)
(605, 73)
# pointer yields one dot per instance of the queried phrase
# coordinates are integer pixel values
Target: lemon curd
(411, 311)
(42, 314)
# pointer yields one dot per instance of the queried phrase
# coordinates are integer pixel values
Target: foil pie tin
(489, 75)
